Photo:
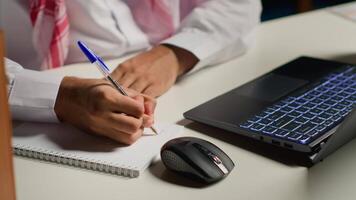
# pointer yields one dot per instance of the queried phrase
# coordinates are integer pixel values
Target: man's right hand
(95, 106)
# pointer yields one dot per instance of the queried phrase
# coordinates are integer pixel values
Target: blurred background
(279, 8)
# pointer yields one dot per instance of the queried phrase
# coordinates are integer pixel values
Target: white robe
(215, 31)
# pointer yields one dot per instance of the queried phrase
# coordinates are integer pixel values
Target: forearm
(217, 30)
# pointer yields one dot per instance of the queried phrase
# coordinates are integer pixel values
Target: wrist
(65, 94)
(186, 59)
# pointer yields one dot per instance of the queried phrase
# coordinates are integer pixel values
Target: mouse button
(215, 156)
(218, 163)
(201, 148)
(225, 159)
(175, 163)
(229, 164)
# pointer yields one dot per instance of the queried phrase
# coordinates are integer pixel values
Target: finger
(140, 99)
(124, 123)
(124, 104)
(147, 121)
(152, 91)
(118, 73)
(150, 105)
(125, 138)
(131, 92)
(127, 79)
(139, 85)
(150, 102)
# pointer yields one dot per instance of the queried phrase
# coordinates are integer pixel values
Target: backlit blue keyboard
(306, 116)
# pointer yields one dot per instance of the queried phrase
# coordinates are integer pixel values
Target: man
(182, 36)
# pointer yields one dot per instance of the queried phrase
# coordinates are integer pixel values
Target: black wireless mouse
(197, 159)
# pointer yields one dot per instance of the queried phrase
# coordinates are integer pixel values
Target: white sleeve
(218, 30)
(32, 94)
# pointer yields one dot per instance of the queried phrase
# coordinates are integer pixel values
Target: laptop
(298, 106)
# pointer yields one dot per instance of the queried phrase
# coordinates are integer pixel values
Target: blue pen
(104, 70)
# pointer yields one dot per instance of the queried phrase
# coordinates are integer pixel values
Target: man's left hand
(153, 72)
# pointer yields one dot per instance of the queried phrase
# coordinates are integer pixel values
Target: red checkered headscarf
(50, 31)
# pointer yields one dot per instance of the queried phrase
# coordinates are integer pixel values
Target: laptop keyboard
(306, 116)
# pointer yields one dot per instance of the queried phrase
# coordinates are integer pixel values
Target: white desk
(318, 34)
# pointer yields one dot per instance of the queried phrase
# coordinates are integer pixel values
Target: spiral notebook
(63, 144)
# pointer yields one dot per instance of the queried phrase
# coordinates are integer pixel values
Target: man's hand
(95, 106)
(155, 71)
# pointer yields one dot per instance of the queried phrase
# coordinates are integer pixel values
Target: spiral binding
(70, 160)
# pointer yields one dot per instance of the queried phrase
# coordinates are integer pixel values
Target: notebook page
(62, 139)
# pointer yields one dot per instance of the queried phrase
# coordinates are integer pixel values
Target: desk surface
(319, 34)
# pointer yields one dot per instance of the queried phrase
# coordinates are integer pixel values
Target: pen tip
(154, 130)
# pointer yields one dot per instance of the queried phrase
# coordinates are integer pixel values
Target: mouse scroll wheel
(212, 157)
(218, 163)
(215, 158)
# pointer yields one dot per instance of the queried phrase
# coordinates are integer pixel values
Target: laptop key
(304, 139)
(346, 103)
(301, 119)
(317, 120)
(295, 114)
(257, 127)
(344, 113)
(305, 128)
(302, 109)
(313, 133)
(269, 130)
(316, 111)
(281, 133)
(301, 101)
(315, 93)
(331, 111)
(349, 91)
(343, 94)
(330, 93)
(317, 101)
(337, 118)
(294, 136)
(265, 121)
(321, 127)
(329, 122)
(337, 98)
(280, 104)
(309, 115)
(262, 115)
(276, 115)
(291, 126)
(294, 105)
(282, 121)
(330, 102)
(310, 105)
(286, 109)
(308, 97)
(325, 116)
(339, 107)
(324, 97)
(321, 89)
